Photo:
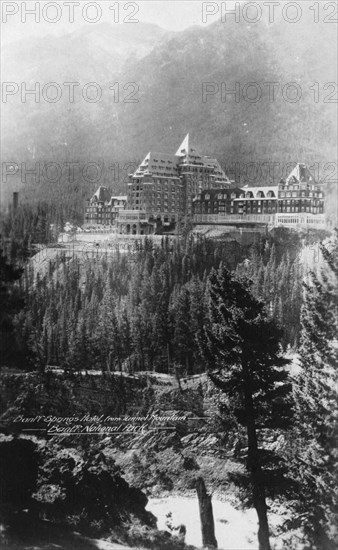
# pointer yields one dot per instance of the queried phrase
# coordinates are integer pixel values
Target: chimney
(15, 200)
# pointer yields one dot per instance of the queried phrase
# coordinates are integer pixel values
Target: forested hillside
(145, 309)
(167, 76)
(181, 308)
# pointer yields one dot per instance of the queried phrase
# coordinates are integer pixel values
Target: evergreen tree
(241, 346)
(183, 335)
(11, 302)
(126, 338)
(313, 454)
(108, 341)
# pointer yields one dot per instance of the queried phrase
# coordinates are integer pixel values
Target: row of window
(305, 202)
(109, 208)
(232, 210)
(93, 215)
(313, 209)
(303, 186)
(254, 202)
(318, 194)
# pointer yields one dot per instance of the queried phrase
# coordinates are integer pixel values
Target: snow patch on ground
(234, 529)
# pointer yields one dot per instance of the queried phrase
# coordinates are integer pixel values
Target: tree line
(143, 309)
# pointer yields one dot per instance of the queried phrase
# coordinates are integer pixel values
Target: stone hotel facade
(103, 209)
(168, 187)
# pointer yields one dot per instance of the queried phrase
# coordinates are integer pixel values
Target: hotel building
(167, 187)
(103, 209)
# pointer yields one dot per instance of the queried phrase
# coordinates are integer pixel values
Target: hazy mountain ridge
(88, 54)
(168, 71)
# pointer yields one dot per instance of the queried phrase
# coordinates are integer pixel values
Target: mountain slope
(166, 73)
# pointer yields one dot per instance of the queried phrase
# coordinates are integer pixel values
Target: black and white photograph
(169, 275)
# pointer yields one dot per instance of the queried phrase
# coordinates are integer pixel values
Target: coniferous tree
(241, 346)
(198, 309)
(313, 454)
(183, 335)
(126, 338)
(107, 338)
(11, 302)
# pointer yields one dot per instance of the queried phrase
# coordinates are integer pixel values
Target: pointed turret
(101, 195)
(300, 174)
(143, 166)
(188, 154)
(184, 147)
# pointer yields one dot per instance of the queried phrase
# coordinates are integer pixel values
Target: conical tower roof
(300, 173)
(187, 153)
(184, 147)
(101, 195)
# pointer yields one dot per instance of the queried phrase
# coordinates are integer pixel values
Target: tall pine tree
(241, 346)
(313, 455)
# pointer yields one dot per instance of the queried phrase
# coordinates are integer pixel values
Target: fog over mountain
(152, 81)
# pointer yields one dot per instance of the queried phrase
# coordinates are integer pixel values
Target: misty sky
(173, 15)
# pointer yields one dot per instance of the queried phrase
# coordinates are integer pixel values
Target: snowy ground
(234, 529)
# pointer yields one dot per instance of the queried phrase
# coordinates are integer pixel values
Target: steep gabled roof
(184, 147)
(218, 172)
(168, 164)
(159, 164)
(300, 174)
(101, 195)
(187, 153)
